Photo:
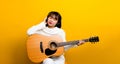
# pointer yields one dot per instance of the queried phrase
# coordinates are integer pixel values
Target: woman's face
(52, 21)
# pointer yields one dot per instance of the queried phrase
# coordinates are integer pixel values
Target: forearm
(69, 46)
(33, 29)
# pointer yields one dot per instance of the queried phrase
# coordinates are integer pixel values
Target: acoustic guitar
(40, 47)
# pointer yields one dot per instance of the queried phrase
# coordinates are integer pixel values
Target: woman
(51, 26)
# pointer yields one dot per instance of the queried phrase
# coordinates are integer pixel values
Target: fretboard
(70, 42)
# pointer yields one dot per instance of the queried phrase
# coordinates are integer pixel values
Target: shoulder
(62, 31)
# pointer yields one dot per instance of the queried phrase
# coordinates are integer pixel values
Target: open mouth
(50, 22)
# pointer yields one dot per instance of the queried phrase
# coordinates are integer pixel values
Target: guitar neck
(70, 42)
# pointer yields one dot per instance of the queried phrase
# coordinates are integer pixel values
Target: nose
(51, 20)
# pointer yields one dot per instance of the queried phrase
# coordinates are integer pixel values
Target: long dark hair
(57, 17)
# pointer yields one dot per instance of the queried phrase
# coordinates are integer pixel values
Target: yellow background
(81, 19)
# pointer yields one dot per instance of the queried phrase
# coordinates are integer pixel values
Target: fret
(67, 43)
(92, 39)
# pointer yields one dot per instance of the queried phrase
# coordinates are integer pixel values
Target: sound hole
(53, 46)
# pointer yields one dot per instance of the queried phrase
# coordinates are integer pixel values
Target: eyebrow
(54, 16)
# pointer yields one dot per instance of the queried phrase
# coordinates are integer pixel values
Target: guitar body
(38, 47)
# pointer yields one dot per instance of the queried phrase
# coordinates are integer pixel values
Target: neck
(51, 26)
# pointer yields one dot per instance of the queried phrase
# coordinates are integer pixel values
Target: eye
(50, 17)
(55, 19)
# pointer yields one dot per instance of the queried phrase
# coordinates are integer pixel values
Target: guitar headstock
(94, 39)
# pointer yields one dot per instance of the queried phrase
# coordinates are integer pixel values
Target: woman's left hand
(81, 42)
